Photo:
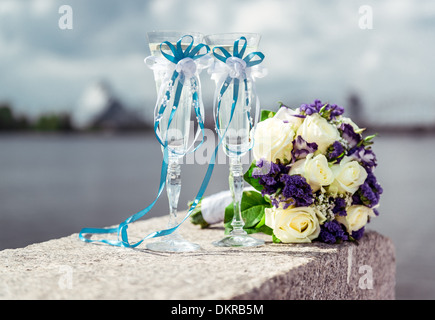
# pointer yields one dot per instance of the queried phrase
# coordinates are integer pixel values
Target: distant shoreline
(392, 129)
(384, 129)
(389, 129)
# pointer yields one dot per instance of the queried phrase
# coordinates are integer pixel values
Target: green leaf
(267, 199)
(252, 209)
(266, 114)
(352, 239)
(265, 229)
(367, 140)
(261, 223)
(253, 215)
(261, 226)
(275, 239)
(198, 219)
(252, 181)
(252, 198)
(322, 109)
(196, 216)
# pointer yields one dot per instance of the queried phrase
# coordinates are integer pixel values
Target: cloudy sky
(314, 49)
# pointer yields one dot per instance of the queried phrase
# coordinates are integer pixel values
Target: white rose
(317, 129)
(273, 140)
(348, 176)
(356, 218)
(293, 225)
(287, 114)
(315, 170)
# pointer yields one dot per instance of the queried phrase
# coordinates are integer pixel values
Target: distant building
(355, 107)
(99, 108)
(116, 117)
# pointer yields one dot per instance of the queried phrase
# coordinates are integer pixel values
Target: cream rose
(317, 129)
(293, 225)
(315, 170)
(273, 140)
(348, 176)
(356, 218)
(287, 115)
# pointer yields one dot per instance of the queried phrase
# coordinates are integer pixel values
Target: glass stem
(236, 187)
(173, 188)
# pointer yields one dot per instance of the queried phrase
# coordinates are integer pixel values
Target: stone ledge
(68, 268)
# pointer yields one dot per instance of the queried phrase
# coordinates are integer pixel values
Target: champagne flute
(173, 127)
(233, 122)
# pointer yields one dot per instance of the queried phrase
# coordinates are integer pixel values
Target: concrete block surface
(68, 268)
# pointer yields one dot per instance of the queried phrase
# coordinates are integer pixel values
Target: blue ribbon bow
(178, 55)
(250, 60)
(239, 54)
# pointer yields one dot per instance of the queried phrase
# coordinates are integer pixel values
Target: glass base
(173, 244)
(238, 241)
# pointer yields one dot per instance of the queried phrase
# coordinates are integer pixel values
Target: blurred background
(76, 103)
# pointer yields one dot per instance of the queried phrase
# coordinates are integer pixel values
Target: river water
(54, 185)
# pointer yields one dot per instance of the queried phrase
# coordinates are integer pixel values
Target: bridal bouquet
(313, 175)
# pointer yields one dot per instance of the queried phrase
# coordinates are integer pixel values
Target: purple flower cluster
(369, 192)
(333, 232)
(282, 187)
(357, 150)
(335, 152)
(296, 191)
(358, 234)
(268, 175)
(311, 108)
(301, 148)
(329, 111)
(349, 135)
(339, 207)
(365, 156)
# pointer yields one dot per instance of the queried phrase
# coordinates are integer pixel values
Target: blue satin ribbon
(121, 230)
(251, 60)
